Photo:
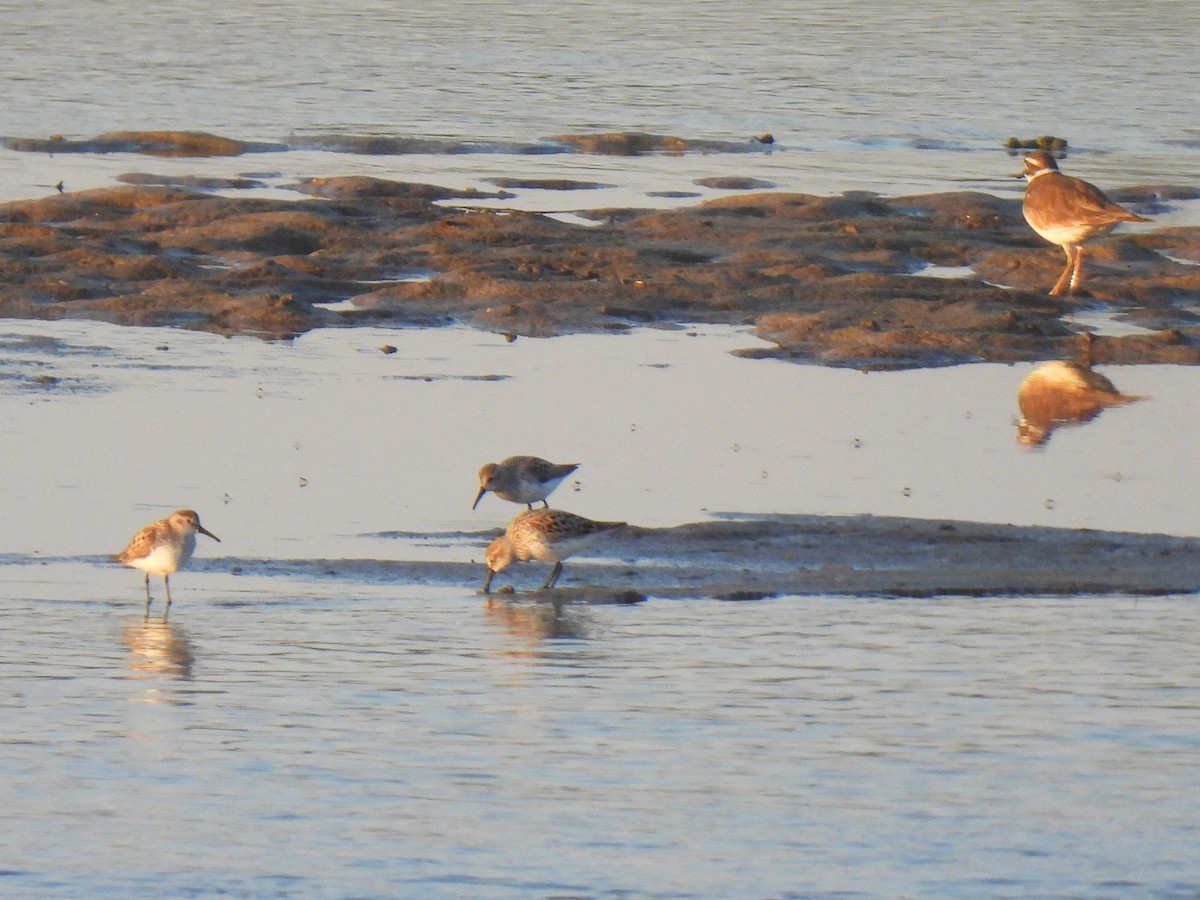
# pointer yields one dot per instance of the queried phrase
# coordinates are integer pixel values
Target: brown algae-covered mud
(833, 280)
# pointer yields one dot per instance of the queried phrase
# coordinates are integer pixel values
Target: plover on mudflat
(522, 479)
(164, 547)
(1067, 211)
(549, 535)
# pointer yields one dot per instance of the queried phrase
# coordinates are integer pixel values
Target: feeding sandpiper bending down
(522, 479)
(549, 535)
(164, 547)
(1067, 211)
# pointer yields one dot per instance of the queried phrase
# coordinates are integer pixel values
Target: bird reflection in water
(537, 621)
(158, 648)
(1061, 393)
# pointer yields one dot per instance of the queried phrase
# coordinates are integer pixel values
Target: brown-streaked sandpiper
(548, 535)
(164, 547)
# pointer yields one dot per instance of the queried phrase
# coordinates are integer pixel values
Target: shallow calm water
(384, 742)
(324, 446)
(349, 733)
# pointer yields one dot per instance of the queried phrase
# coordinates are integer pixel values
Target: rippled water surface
(371, 741)
(484, 70)
(358, 729)
(898, 97)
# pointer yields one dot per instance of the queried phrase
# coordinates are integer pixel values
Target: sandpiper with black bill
(164, 547)
(1067, 211)
(522, 479)
(548, 535)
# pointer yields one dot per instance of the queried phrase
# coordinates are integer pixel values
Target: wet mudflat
(363, 444)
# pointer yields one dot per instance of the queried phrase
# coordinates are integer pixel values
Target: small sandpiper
(1067, 211)
(164, 547)
(549, 535)
(522, 479)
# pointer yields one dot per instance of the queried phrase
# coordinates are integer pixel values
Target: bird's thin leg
(149, 600)
(1086, 355)
(554, 573)
(1066, 273)
(1077, 272)
(167, 585)
(545, 504)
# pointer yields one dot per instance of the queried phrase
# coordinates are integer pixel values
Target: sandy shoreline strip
(756, 557)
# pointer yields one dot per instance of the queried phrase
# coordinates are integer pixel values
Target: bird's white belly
(529, 490)
(561, 548)
(165, 558)
(1069, 234)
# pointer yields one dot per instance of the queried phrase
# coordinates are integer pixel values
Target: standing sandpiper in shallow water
(522, 479)
(1067, 211)
(164, 547)
(549, 535)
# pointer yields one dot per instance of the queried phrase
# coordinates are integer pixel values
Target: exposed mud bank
(752, 558)
(834, 280)
(867, 555)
